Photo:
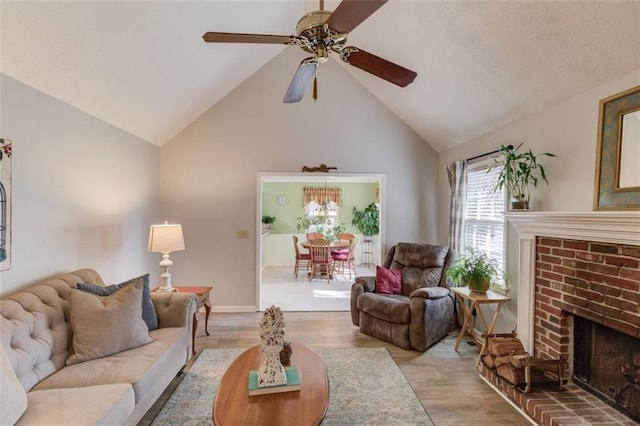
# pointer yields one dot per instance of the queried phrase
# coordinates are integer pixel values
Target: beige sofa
(36, 340)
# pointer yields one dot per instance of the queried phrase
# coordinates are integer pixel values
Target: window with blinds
(484, 228)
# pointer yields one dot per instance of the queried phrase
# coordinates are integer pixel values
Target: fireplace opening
(606, 363)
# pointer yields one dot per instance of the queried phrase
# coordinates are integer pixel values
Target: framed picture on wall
(5, 203)
(617, 185)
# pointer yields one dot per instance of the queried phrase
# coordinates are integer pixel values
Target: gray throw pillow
(104, 326)
(148, 311)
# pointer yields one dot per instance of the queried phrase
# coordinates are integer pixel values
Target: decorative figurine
(271, 372)
(285, 354)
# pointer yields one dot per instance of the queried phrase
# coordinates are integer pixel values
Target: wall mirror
(617, 185)
(275, 249)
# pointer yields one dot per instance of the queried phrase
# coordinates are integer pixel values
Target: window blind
(484, 214)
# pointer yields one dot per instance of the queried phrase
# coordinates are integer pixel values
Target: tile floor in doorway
(281, 288)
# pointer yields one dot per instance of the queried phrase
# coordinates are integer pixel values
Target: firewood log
(488, 360)
(518, 360)
(500, 346)
(510, 373)
(499, 360)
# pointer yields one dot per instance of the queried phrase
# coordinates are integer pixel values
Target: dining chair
(303, 260)
(314, 236)
(321, 261)
(345, 260)
(343, 237)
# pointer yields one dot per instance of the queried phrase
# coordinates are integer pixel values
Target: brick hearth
(598, 281)
(573, 406)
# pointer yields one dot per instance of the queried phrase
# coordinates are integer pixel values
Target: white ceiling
(143, 67)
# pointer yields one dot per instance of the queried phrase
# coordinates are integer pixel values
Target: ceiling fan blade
(212, 37)
(300, 82)
(379, 67)
(351, 13)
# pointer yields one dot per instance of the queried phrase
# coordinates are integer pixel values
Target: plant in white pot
(267, 222)
(475, 270)
(518, 172)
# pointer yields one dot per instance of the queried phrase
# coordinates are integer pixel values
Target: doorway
(280, 195)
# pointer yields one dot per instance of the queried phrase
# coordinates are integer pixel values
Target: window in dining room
(322, 206)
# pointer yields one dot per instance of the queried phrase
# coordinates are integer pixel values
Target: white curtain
(457, 176)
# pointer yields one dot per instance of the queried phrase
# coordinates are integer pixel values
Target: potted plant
(305, 223)
(267, 221)
(331, 233)
(473, 269)
(518, 171)
(366, 220)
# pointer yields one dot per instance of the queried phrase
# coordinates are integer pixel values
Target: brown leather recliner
(421, 315)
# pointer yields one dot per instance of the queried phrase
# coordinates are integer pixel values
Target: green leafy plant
(518, 171)
(268, 219)
(331, 234)
(367, 220)
(305, 222)
(473, 269)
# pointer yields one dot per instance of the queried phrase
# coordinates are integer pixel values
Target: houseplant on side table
(475, 270)
(519, 171)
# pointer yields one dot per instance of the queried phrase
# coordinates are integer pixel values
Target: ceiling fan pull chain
(315, 86)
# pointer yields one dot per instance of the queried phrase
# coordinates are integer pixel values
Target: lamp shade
(165, 238)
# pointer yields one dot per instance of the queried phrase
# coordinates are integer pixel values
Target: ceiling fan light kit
(320, 32)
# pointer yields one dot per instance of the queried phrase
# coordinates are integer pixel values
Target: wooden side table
(470, 303)
(203, 296)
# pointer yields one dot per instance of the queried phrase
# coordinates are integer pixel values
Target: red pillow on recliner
(388, 281)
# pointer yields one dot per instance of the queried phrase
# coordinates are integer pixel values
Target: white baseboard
(233, 309)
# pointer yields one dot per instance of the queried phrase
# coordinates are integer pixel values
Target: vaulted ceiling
(142, 66)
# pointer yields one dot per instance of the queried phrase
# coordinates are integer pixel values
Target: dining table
(333, 245)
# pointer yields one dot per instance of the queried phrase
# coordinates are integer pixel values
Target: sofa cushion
(148, 312)
(388, 281)
(106, 325)
(93, 405)
(13, 397)
(389, 307)
(145, 367)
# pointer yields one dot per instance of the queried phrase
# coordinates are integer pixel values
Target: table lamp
(165, 239)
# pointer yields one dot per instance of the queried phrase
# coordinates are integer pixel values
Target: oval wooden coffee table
(234, 406)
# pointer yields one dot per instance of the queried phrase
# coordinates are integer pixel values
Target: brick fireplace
(581, 285)
(582, 266)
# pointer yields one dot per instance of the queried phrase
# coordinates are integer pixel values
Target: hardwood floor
(445, 381)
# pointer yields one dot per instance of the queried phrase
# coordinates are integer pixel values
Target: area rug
(366, 387)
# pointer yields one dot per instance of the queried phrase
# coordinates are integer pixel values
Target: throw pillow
(107, 325)
(388, 281)
(148, 311)
(14, 398)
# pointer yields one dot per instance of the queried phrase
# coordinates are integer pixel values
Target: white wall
(208, 171)
(84, 192)
(569, 130)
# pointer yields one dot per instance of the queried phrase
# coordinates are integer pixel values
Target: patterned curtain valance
(322, 195)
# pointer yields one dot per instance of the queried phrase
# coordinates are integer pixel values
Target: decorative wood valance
(321, 168)
(322, 195)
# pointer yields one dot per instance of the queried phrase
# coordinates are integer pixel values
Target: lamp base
(165, 276)
(166, 290)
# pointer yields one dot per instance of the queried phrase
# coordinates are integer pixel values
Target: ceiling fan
(320, 32)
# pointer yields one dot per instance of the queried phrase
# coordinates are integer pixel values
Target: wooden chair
(314, 236)
(303, 260)
(344, 260)
(344, 237)
(321, 261)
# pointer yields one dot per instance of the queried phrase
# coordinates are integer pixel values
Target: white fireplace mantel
(620, 227)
